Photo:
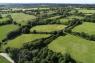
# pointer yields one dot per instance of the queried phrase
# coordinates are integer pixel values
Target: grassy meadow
(47, 28)
(4, 30)
(86, 27)
(86, 11)
(19, 41)
(21, 17)
(80, 49)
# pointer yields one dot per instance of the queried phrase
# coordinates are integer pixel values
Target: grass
(65, 21)
(86, 11)
(4, 30)
(48, 28)
(50, 12)
(80, 49)
(86, 27)
(3, 60)
(40, 8)
(69, 18)
(19, 41)
(21, 17)
(54, 17)
(73, 16)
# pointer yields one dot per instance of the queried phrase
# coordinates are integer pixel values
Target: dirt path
(6, 56)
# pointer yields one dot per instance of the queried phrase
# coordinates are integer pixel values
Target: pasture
(47, 28)
(86, 11)
(80, 49)
(67, 19)
(73, 17)
(55, 17)
(86, 27)
(21, 17)
(20, 40)
(4, 30)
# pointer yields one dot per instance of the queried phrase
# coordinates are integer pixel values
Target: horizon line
(41, 3)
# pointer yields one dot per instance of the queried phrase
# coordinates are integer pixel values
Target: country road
(6, 56)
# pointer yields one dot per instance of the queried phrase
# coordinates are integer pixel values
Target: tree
(25, 30)
(10, 17)
(68, 59)
(0, 16)
(34, 31)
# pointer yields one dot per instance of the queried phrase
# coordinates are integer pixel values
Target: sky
(49, 1)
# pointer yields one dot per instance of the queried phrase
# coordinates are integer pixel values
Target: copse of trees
(8, 18)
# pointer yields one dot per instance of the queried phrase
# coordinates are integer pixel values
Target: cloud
(47, 1)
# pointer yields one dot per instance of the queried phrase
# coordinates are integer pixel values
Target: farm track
(6, 56)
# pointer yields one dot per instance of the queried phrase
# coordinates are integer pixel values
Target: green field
(40, 8)
(3, 60)
(54, 17)
(47, 28)
(19, 41)
(69, 18)
(86, 27)
(4, 30)
(65, 21)
(86, 11)
(73, 16)
(51, 12)
(80, 49)
(21, 17)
